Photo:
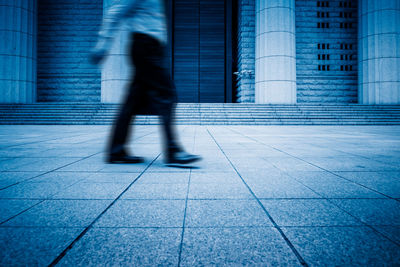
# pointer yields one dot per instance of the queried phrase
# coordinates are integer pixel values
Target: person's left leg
(174, 153)
(117, 152)
(161, 88)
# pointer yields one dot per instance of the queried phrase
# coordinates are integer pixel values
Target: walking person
(152, 91)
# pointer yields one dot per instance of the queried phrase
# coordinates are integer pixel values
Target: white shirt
(142, 16)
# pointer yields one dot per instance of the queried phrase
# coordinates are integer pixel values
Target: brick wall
(245, 51)
(66, 31)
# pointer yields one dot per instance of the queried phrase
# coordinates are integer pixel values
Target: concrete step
(189, 113)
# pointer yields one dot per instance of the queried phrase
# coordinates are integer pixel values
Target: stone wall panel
(67, 31)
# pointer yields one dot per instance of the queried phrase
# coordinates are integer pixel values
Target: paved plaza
(263, 195)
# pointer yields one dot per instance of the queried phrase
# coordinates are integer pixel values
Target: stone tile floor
(265, 195)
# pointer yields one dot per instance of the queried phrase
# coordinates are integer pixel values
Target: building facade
(220, 51)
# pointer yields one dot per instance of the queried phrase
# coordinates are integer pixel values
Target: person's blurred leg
(153, 91)
(122, 126)
(170, 141)
(157, 80)
(121, 130)
(151, 67)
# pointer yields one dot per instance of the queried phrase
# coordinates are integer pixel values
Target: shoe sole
(124, 161)
(181, 166)
(182, 162)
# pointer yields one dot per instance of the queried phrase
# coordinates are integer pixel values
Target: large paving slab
(261, 196)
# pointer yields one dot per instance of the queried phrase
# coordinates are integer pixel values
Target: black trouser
(151, 92)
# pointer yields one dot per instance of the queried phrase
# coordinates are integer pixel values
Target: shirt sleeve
(114, 16)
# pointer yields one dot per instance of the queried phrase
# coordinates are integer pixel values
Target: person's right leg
(170, 139)
(174, 153)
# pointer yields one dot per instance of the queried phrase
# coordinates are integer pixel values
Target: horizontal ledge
(6, 55)
(375, 34)
(273, 56)
(14, 80)
(113, 80)
(375, 58)
(291, 81)
(379, 82)
(264, 33)
(327, 77)
(377, 10)
(14, 31)
(275, 7)
(23, 8)
(121, 55)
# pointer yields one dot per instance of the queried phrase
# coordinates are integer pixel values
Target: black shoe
(124, 158)
(181, 157)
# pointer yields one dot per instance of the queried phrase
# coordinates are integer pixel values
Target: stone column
(116, 70)
(379, 52)
(18, 30)
(275, 73)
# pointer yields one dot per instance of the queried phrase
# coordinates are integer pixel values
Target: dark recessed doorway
(201, 49)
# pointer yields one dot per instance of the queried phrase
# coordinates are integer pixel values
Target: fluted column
(116, 69)
(379, 52)
(275, 52)
(18, 30)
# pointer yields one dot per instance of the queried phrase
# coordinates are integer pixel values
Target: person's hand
(97, 56)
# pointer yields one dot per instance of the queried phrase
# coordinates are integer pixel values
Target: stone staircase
(207, 114)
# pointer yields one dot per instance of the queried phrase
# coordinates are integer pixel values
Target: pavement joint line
(184, 221)
(151, 199)
(276, 226)
(195, 227)
(318, 198)
(345, 211)
(97, 172)
(39, 227)
(325, 198)
(186, 204)
(41, 201)
(370, 171)
(55, 170)
(285, 226)
(353, 154)
(26, 180)
(21, 212)
(351, 181)
(41, 141)
(53, 139)
(90, 226)
(325, 170)
(57, 199)
(193, 199)
(43, 157)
